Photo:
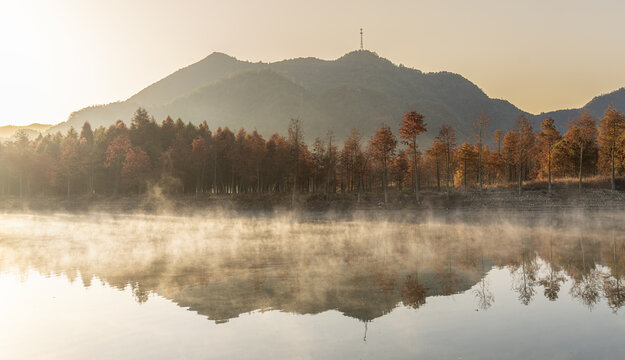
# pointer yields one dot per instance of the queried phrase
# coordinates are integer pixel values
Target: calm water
(217, 286)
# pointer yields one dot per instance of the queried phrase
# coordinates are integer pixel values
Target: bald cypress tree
(409, 129)
(549, 135)
(611, 129)
(87, 148)
(295, 137)
(383, 144)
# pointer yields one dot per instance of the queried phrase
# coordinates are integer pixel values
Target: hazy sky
(58, 56)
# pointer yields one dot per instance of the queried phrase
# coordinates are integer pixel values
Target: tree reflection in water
(613, 289)
(553, 281)
(523, 271)
(224, 266)
(485, 297)
(413, 293)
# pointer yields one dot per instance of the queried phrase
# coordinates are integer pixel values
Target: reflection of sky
(54, 305)
(51, 317)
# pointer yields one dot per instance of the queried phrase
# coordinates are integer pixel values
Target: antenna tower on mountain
(361, 44)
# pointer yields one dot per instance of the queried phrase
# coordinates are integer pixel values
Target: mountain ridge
(595, 106)
(357, 90)
(32, 130)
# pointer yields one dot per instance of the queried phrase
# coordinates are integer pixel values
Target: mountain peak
(598, 104)
(220, 56)
(213, 67)
(363, 57)
(617, 92)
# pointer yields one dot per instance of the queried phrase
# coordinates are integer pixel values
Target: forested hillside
(359, 90)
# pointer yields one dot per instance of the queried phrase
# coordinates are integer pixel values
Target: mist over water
(357, 285)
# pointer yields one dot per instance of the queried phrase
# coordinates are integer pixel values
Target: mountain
(32, 130)
(358, 90)
(214, 67)
(595, 107)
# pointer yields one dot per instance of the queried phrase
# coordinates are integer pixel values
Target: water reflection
(223, 267)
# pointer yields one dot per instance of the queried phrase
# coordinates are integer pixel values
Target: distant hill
(32, 130)
(595, 107)
(359, 90)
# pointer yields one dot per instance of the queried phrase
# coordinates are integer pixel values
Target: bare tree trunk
(197, 185)
(215, 172)
(328, 182)
(613, 179)
(359, 187)
(465, 174)
(295, 133)
(327, 190)
(294, 185)
(549, 169)
(479, 162)
(118, 175)
(416, 170)
(258, 189)
(520, 177)
(385, 187)
(581, 157)
(447, 175)
(438, 176)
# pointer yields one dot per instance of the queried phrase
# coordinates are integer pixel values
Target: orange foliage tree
(527, 142)
(510, 153)
(467, 156)
(115, 156)
(611, 139)
(580, 142)
(409, 129)
(548, 137)
(136, 167)
(400, 169)
(480, 125)
(447, 140)
(70, 164)
(200, 156)
(383, 145)
(434, 158)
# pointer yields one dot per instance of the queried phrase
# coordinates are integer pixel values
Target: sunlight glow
(60, 56)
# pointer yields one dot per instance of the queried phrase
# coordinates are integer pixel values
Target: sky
(59, 56)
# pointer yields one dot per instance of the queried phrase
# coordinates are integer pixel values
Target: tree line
(186, 159)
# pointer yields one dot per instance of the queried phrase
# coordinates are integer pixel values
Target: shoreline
(500, 199)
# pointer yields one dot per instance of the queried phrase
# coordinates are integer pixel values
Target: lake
(280, 286)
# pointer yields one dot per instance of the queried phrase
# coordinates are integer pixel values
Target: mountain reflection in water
(222, 267)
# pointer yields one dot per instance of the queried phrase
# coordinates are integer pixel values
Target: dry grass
(592, 182)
